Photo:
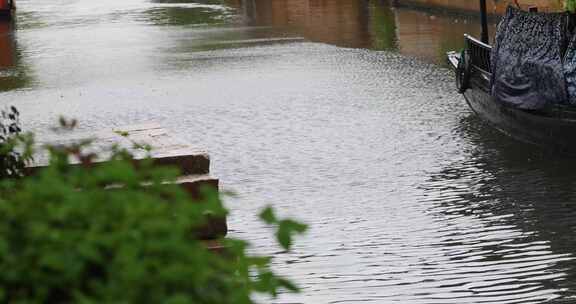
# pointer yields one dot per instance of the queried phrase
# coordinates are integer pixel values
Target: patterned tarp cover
(527, 60)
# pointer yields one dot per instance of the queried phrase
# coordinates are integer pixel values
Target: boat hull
(548, 132)
(553, 129)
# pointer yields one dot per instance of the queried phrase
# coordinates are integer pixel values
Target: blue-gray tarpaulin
(527, 68)
(570, 71)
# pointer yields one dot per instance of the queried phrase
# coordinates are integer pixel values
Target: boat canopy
(528, 60)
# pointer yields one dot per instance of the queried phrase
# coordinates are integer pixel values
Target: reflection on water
(13, 74)
(373, 24)
(430, 36)
(183, 13)
(208, 25)
(7, 45)
(521, 201)
(343, 23)
(313, 107)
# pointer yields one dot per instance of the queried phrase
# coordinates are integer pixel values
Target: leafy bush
(114, 233)
(11, 161)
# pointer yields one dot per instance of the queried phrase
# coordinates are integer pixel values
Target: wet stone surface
(410, 198)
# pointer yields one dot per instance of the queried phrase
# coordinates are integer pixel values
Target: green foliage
(12, 161)
(286, 228)
(114, 233)
(570, 5)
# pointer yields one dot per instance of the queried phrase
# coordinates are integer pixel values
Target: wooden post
(484, 21)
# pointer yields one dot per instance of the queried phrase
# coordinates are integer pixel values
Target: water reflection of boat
(14, 72)
(7, 46)
(7, 8)
(553, 128)
(523, 194)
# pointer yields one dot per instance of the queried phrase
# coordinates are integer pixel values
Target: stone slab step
(194, 185)
(166, 150)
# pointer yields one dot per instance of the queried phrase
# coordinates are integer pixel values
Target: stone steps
(166, 150)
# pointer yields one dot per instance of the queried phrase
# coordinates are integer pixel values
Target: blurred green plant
(15, 148)
(114, 233)
(570, 5)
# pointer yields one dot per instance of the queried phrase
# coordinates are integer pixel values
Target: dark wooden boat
(7, 8)
(553, 128)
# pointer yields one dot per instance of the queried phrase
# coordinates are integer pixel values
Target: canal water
(338, 112)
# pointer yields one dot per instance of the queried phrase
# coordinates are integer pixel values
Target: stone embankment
(495, 7)
(166, 150)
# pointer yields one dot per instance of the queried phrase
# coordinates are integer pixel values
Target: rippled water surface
(338, 112)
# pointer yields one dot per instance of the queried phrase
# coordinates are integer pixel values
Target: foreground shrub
(12, 161)
(116, 234)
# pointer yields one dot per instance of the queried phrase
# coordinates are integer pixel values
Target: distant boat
(7, 8)
(554, 129)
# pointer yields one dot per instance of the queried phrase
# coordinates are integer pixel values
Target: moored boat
(552, 127)
(7, 8)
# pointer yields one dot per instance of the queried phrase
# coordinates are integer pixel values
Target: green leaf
(268, 216)
(286, 231)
